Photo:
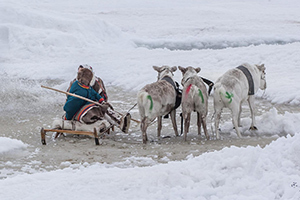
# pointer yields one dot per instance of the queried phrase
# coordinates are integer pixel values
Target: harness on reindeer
(178, 92)
(249, 78)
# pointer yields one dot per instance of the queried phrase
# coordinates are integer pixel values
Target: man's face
(84, 76)
(80, 68)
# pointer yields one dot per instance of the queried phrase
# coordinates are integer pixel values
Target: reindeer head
(164, 71)
(263, 82)
(188, 72)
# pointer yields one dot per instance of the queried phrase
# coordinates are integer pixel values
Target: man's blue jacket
(73, 104)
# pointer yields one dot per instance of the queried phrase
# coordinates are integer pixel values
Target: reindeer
(194, 98)
(233, 88)
(158, 99)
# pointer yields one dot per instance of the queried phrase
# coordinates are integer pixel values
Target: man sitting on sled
(86, 112)
(96, 83)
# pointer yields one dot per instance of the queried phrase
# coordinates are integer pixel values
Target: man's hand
(107, 104)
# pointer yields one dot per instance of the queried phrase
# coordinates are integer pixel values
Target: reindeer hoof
(238, 126)
(253, 128)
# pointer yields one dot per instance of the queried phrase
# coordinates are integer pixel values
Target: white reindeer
(194, 98)
(158, 99)
(233, 88)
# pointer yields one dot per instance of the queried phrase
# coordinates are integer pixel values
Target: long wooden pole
(71, 94)
(81, 97)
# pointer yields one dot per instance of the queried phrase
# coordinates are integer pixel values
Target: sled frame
(89, 133)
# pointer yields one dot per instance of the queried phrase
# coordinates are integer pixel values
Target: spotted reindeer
(158, 99)
(233, 88)
(194, 98)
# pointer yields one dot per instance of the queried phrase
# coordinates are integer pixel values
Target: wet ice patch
(7, 144)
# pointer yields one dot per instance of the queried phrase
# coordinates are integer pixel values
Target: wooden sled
(67, 126)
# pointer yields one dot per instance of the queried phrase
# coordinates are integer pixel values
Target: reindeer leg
(159, 125)
(186, 125)
(218, 112)
(199, 121)
(173, 118)
(203, 119)
(239, 117)
(144, 126)
(234, 112)
(181, 124)
(251, 105)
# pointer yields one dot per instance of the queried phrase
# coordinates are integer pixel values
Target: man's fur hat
(85, 76)
(92, 83)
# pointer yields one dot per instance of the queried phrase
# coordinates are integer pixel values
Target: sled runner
(96, 130)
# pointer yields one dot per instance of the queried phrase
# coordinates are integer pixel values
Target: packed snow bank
(212, 42)
(31, 34)
(7, 144)
(49, 40)
(232, 173)
(270, 123)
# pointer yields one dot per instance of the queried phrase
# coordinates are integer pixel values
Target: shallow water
(118, 149)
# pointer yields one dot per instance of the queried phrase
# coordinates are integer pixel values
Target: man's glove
(107, 104)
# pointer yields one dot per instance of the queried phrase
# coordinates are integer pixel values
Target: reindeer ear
(198, 69)
(173, 69)
(156, 68)
(261, 67)
(182, 69)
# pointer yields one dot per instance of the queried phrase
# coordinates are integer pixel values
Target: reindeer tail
(145, 103)
(221, 95)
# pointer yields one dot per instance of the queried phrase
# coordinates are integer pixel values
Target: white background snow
(122, 40)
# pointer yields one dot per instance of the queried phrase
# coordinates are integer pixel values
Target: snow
(232, 173)
(7, 144)
(46, 40)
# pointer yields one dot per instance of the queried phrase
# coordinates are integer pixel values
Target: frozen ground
(43, 42)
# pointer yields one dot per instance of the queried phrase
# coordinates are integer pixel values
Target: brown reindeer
(194, 98)
(158, 99)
